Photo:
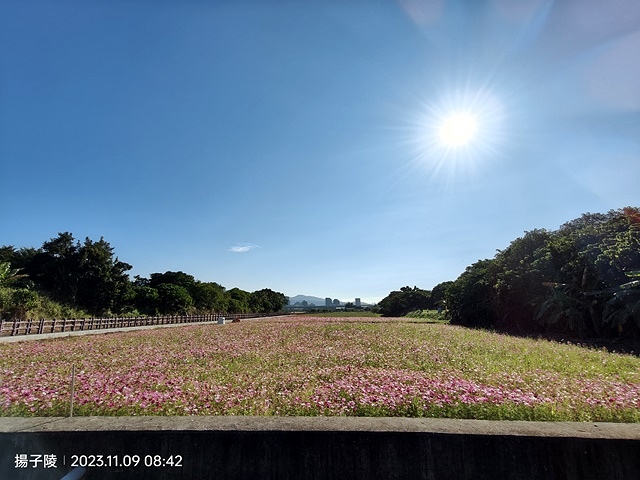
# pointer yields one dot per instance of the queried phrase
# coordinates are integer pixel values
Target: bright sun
(458, 129)
(455, 133)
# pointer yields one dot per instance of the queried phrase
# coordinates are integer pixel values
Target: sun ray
(453, 137)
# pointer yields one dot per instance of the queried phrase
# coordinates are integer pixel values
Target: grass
(307, 365)
(428, 315)
(339, 314)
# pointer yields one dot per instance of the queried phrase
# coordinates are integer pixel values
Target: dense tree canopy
(87, 278)
(583, 278)
(407, 299)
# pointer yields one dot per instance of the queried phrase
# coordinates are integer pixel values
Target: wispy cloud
(242, 248)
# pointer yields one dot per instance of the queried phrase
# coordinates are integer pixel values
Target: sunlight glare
(453, 135)
(458, 129)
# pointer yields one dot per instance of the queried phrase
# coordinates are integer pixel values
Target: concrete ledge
(325, 447)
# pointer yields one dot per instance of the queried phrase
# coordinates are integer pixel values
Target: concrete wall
(325, 448)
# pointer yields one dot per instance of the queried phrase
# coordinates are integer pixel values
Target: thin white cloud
(242, 248)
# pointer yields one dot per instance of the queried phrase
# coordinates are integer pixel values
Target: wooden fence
(27, 327)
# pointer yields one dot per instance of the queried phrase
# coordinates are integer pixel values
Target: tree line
(582, 279)
(67, 278)
(401, 302)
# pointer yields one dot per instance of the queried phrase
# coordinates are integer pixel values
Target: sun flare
(454, 135)
(458, 129)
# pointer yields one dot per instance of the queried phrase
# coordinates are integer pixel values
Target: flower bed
(319, 366)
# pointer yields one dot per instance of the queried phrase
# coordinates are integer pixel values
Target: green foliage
(86, 275)
(469, 298)
(210, 297)
(238, 300)
(66, 278)
(399, 303)
(8, 275)
(174, 278)
(104, 284)
(430, 316)
(578, 279)
(265, 300)
(174, 299)
(146, 299)
(22, 303)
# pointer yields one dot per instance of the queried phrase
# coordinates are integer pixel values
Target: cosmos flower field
(319, 366)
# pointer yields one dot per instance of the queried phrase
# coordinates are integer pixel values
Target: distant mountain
(319, 302)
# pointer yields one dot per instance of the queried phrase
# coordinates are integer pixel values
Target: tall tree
(174, 299)
(399, 303)
(581, 278)
(470, 298)
(87, 275)
(210, 297)
(104, 284)
(266, 301)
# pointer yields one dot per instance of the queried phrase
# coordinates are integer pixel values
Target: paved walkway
(629, 431)
(45, 336)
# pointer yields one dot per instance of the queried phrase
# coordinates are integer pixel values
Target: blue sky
(294, 145)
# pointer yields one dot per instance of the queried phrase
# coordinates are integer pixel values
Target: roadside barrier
(315, 448)
(27, 327)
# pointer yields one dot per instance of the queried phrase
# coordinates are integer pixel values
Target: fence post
(1, 326)
(40, 327)
(73, 381)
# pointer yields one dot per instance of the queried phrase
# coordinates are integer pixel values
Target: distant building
(305, 303)
(327, 302)
(358, 303)
(336, 302)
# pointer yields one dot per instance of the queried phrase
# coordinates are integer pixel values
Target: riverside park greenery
(303, 365)
(582, 280)
(68, 279)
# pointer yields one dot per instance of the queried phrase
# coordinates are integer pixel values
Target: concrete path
(45, 336)
(628, 431)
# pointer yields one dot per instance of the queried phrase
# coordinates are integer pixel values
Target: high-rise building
(358, 304)
(336, 302)
(327, 302)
